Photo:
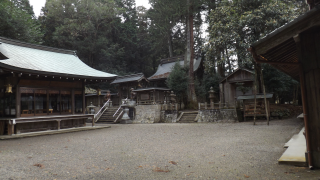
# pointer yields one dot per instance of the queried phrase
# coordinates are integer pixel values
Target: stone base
(222, 115)
(168, 116)
(126, 122)
(146, 114)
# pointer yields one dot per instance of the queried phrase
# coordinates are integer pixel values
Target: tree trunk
(187, 54)
(220, 64)
(191, 90)
(170, 44)
(257, 68)
(229, 61)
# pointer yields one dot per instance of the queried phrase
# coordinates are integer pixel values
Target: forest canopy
(118, 37)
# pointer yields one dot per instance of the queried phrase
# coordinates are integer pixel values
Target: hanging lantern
(9, 88)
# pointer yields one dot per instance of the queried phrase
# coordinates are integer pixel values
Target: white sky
(38, 4)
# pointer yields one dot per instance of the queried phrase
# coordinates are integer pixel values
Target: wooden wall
(228, 91)
(309, 47)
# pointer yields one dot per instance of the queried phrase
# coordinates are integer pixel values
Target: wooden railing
(101, 111)
(202, 106)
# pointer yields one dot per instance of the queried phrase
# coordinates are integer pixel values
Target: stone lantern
(172, 97)
(91, 108)
(211, 97)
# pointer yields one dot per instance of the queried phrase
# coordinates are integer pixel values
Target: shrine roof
(129, 78)
(24, 57)
(166, 65)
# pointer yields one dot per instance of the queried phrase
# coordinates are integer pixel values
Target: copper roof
(36, 59)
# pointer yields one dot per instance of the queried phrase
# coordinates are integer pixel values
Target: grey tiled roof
(258, 96)
(165, 69)
(129, 78)
(152, 88)
(30, 58)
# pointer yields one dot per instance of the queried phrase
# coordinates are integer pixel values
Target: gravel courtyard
(156, 151)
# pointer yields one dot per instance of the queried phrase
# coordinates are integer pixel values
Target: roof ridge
(35, 46)
(130, 75)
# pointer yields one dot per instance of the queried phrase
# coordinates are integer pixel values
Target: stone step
(107, 116)
(188, 117)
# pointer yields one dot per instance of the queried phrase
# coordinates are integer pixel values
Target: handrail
(119, 108)
(119, 116)
(101, 111)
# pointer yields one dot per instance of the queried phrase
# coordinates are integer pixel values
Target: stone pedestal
(125, 118)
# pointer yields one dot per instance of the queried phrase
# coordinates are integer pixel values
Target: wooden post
(58, 124)
(92, 121)
(18, 111)
(255, 105)
(73, 107)
(48, 103)
(10, 128)
(205, 105)
(266, 104)
(83, 98)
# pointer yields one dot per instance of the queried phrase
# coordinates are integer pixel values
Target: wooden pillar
(154, 96)
(18, 101)
(308, 44)
(83, 98)
(10, 128)
(58, 124)
(72, 102)
(48, 103)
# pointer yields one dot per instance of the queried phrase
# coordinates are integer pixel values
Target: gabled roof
(166, 65)
(279, 48)
(129, 78)
(258, 96)
(24, 57)
(243, 69)
(151, 88)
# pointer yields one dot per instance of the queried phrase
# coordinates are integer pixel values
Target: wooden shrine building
(295, 49)
(125, 83)
(165, 67)
(152, 95)
(42, 88)
(238, 83)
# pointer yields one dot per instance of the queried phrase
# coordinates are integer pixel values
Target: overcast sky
(38, 4)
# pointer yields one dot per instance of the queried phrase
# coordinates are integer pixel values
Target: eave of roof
(279, 48)
(129, 78)
(165, 67)
(235, 72)
(287, 31)
(258, 96)
(151, 88)
(21, 57)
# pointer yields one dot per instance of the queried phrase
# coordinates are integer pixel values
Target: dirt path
(156, 151)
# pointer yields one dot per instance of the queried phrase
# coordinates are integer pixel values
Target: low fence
(205, 105)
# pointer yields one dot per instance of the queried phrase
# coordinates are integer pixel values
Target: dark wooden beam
(280, 35)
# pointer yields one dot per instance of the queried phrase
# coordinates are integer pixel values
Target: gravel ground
(156, 151)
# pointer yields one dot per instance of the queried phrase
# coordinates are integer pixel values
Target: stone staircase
(107, 116)
(188, 117)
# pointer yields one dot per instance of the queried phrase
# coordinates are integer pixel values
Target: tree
(234, 25)
(17, 21)
(282, 85)
(178, 82)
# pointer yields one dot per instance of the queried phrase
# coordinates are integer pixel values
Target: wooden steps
(188, 117)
